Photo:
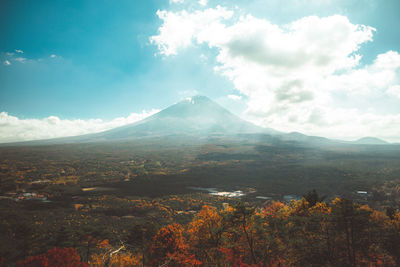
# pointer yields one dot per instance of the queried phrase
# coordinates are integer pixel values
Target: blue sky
(73, 67)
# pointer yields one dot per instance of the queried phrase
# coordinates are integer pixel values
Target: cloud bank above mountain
(14, 129)
(306, 75)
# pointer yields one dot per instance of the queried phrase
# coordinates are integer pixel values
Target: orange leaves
(125, 259)
(169, 244)
(205, 224)
(103, 244)
(170, 238)
(205, 233)
(117, 260)
(320, 207)
(78, 206)
(114, 256)
(273, 208)
(340, 233)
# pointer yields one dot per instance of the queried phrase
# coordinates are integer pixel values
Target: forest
(164, 204)
(307, 232)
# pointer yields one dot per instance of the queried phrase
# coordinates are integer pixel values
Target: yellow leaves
(336, 201)
(208, 214)
(126, 259)
(228, 209)
(78, 206)
(396, 220)
(320, 207)
(365, 208)
(378, 217)
(298, 207)
(117, 260)
(204, 224)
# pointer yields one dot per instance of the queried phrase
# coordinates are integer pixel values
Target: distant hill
(370, 141)
(302, 138)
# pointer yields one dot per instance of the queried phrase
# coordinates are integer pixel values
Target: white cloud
(14, 129)
(20, 59)
(203, 2)
(374, 79)
(179, 29)
(394, 90)
(296, 77)
(6, 62)
(12, 57)
(331, 122)
(235, 97)
(176, 1)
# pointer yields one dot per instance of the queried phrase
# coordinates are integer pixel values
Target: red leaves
(273, 208)
(170, 245)
(236, 260)
(340, 233)
(60, 257)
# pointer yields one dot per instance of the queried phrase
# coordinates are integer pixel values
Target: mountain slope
(195, 116)
(370, 141)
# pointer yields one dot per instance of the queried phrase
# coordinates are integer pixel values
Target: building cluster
(24, 196)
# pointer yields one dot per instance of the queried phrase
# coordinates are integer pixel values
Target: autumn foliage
(170, 246)
(61, 257)
(120, 259)
(298, 233)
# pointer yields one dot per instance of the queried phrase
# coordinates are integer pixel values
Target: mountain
(302, 138)
(370, 141)
(197, 117)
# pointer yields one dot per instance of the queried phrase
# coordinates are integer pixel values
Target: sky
(320, 67)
